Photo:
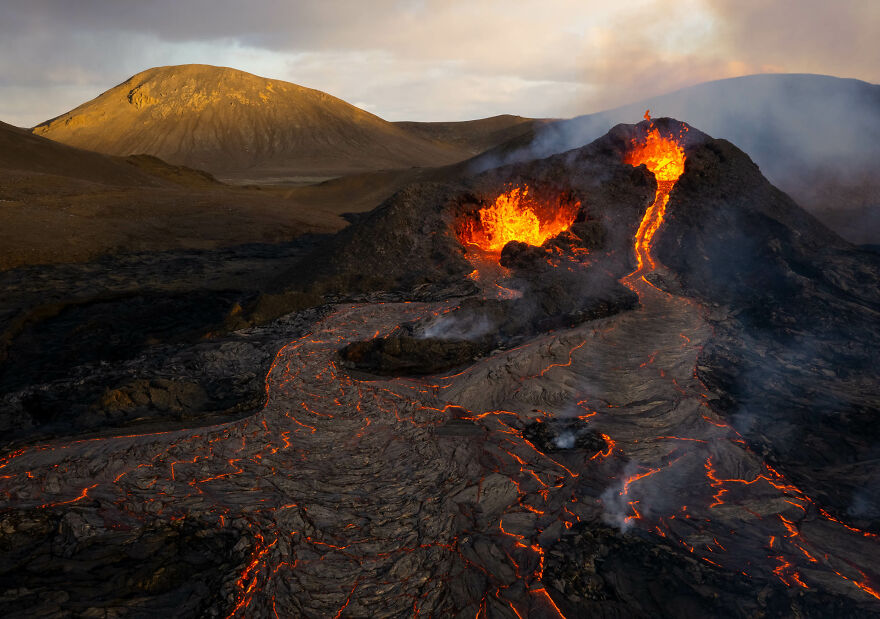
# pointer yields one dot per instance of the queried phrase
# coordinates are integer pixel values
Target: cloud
(429, 59)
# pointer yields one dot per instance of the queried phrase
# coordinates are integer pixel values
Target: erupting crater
(517, 215)
(664, 157)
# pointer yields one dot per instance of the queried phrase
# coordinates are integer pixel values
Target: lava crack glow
(516, 215)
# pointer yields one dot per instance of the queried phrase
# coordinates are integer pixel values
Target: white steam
(457, 327)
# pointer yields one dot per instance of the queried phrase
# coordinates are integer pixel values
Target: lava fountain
(516, 215)
(664, 157)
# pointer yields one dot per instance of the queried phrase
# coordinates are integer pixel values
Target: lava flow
(517, 216)
(664, 157)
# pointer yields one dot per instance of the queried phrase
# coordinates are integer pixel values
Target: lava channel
(664, 157)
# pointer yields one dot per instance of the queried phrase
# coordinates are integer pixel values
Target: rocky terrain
(697, 444)
(138, 339)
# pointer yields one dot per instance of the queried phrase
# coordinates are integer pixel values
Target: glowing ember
(663, 156)
(517, 216)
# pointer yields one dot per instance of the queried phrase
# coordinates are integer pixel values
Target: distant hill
(816, 137)
(21, 151)
(474, 136)
(232, 123)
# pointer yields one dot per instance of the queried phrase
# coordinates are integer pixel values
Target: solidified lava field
(568, 462)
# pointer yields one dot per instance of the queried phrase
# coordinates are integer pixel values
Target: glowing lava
(663, 156)
(518, 216)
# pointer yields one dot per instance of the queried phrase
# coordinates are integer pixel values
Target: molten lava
(663, 156)
(517, 216)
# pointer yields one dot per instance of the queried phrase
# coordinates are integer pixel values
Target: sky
(431, 60)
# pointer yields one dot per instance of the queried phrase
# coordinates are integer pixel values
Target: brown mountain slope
(26, 153)
(233, 123)
(64, 204)
(27, 156)
(474, 136)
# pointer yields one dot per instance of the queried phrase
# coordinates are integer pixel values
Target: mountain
(816, 137)
(235, 124)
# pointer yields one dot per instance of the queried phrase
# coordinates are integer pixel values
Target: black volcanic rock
(797, 336)
(521, 256)
(592, 233)
(598, 572)
(147, 339)
(86, 562)
(731, 235)
(402, 244)
(553, 299)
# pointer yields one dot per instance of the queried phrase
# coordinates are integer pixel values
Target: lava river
(359, 497)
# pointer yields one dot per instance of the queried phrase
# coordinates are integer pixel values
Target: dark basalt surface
(492, 325)
(596, 572)
(402, 354)
(63, 563)
(141, 339)
(550, 297)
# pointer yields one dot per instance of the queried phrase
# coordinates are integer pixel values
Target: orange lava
(663, 156)
(518, 216)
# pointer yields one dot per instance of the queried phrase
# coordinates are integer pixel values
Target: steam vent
(630, 380)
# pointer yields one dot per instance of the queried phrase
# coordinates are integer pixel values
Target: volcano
(658, 397)
(813, 136)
